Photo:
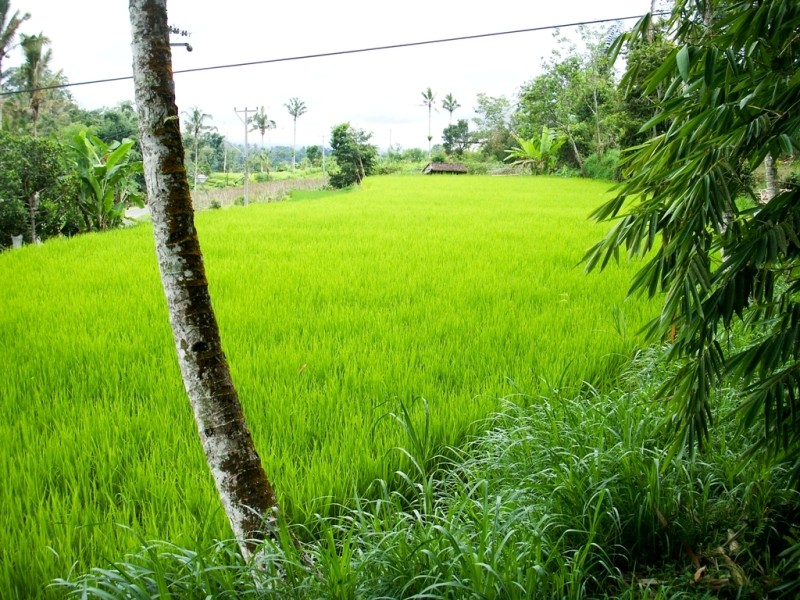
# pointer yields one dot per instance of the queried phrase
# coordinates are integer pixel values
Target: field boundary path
(266, 191)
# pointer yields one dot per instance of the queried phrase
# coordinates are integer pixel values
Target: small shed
(438, 167)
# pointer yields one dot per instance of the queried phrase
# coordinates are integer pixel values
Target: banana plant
(106, 173)
(538, 153)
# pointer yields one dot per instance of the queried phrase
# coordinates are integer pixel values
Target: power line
(338, 53)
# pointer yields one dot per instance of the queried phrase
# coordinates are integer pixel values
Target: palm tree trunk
(430, 137)
(196, 150)
(246, 494)
(262, 151)
(294, 142)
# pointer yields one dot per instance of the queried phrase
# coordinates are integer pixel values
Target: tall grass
(334, 309)
(569, 496)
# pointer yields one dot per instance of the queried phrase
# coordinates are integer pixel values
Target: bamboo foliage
(716, 258)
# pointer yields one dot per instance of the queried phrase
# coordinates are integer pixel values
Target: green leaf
(682, 60)
(660, 75)
(787, 144)
(710, 67)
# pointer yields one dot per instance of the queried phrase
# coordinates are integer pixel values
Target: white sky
(380, 91)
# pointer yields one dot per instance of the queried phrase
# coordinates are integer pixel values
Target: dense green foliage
(493, 129)
(53, 190)
(538, 153)
(332, 310)
(576, 95)
(37, 190)
(731, 90)
(456, 139)
(314, 155)
(355, 157)
(114, 124)
(638, 102)
(106, 174)
(567, 495)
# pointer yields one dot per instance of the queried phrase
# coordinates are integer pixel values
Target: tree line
(68, 170)
(573, 117)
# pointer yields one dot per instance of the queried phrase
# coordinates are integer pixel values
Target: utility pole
(323, 155)
(246, 122)
(225, 160)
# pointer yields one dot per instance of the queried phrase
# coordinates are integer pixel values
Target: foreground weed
(562, 497)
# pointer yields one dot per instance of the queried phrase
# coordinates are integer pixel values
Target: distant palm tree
(262, 124)
(428, 98)
(195, 125)
(450, 104)
(296, 108)
(34, 70)
(8, 31)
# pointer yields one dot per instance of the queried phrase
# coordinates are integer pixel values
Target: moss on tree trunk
(246, 494)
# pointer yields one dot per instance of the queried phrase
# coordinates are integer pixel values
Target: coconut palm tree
(296, 108)
(247, 496)
(450, 104)
(34, 70)
(195, 125)
(428, 98)
(262, 124)
(8, 31)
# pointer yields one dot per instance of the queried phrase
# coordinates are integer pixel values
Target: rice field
(334, 309)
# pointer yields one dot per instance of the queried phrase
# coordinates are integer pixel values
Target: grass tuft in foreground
(565, 496)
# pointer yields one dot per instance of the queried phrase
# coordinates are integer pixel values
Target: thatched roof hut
(437, 167)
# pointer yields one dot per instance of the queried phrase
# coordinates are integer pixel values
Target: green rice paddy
(333, 307)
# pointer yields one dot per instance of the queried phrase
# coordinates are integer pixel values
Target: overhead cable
(336, 53)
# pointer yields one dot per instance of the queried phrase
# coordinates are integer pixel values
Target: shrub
(13, 220)
(388, 167)
(354, 155)
(41, 166)
(605, 166)
(482, 167)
